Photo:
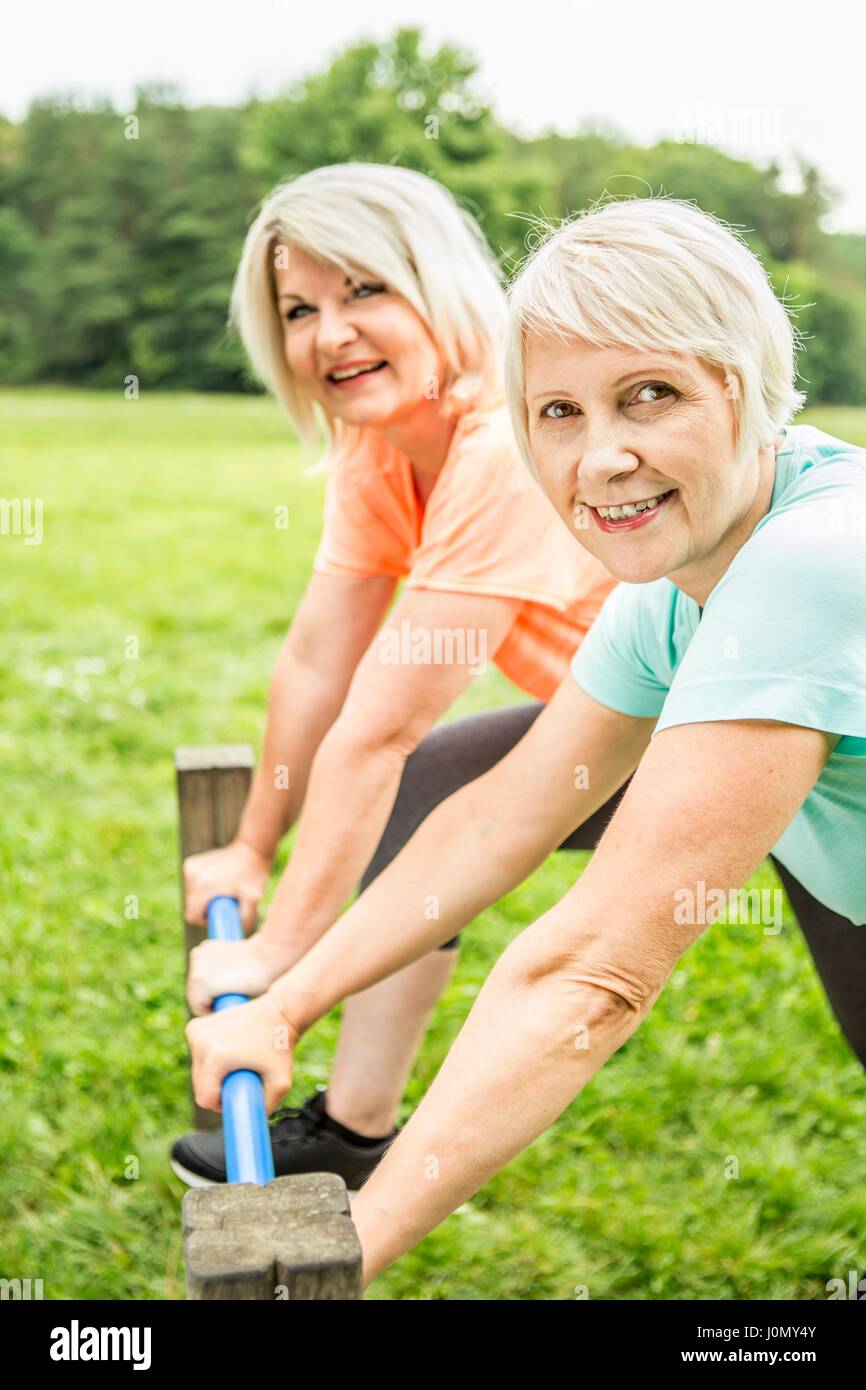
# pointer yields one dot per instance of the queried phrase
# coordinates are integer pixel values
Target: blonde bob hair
(657, 274)
(406, 230)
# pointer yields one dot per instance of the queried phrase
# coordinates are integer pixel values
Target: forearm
(469, 852)
(350, 795)
(302, 707)
(527, 1049)
(478, 844)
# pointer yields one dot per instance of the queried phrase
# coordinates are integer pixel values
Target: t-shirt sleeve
(621, 661)
(367, 527)
(489, 529)
(783, 634)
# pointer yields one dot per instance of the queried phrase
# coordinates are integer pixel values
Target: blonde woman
(650, 373)
(370, 305)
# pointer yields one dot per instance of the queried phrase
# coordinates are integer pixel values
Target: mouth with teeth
(349, 375)
(628, 516)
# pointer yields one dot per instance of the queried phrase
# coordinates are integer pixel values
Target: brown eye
(557, 406)
(655, 386)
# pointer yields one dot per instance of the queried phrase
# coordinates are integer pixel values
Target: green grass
(159, 525)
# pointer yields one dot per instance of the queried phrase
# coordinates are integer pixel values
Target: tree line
(120, 231)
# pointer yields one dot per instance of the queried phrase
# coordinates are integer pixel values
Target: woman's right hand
(235, 871)
(235, 967)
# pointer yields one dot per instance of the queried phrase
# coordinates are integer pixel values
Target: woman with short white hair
(651, 382)
(371, 307)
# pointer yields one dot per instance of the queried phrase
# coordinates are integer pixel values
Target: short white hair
(656, 274)
(408, 231)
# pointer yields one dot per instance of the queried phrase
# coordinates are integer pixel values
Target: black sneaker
(302, 1141)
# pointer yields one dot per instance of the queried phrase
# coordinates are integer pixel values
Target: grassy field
(159, 525)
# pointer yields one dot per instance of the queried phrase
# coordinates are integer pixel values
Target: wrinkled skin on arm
(597, 961)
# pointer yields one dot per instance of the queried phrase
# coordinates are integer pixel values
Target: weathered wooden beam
(291, 1239)
(212, 787)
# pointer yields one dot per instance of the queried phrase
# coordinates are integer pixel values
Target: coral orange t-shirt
(486, 528)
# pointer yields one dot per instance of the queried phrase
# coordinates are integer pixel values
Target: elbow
(629, 968)
(585, 993)
(627, 990)
(565, 1020)
(355, 738)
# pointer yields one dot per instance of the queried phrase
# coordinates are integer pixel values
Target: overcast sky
(758, 79)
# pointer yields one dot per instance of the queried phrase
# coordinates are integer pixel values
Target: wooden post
(212, 787)
(291, 1239)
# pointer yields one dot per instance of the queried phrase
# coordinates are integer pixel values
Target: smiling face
(612, 429)
(333, 326)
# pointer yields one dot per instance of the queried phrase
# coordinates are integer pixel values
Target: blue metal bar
(245, 1121)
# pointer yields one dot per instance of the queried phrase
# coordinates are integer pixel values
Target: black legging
(456, 753)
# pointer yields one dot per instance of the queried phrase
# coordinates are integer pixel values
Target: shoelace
(311, 1120)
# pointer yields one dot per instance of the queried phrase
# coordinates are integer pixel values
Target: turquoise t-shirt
(782, 636)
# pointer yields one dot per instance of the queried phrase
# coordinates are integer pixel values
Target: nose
(334, 331)
(604, 459)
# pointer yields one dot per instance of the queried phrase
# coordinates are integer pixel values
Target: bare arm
(473, 848)
(480, 843)
(332, 628)
(391, 705)
(574, 986)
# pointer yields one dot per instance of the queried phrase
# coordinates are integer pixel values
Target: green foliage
(117, 253)
(121, 249)
(833, 323)
(629, 1193)
(391, 103)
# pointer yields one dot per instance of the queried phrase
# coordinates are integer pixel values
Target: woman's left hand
(254, 1036)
